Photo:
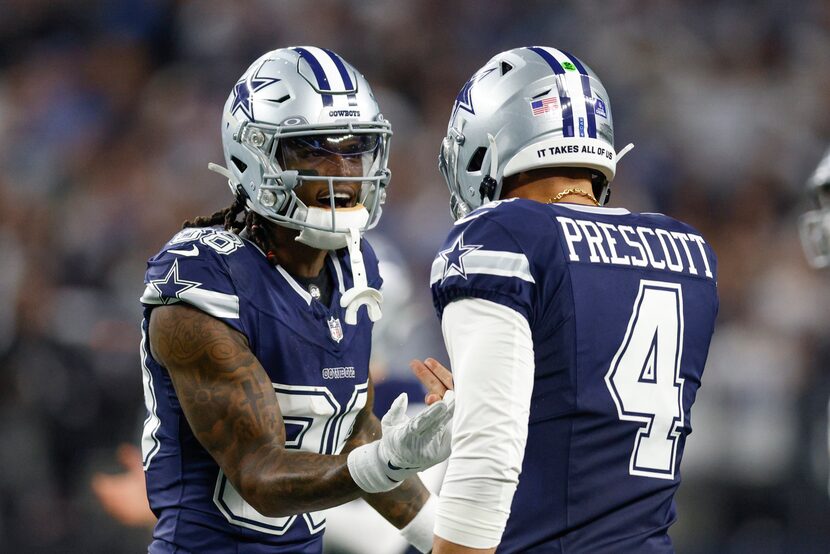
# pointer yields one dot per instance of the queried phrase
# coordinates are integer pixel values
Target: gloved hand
(408, 445)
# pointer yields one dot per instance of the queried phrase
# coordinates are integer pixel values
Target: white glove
(408, 445)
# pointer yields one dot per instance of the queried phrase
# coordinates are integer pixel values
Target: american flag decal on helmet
(570, 83)
(545, 105)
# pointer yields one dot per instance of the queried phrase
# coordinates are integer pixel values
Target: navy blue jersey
(621, 308)
(317, 363)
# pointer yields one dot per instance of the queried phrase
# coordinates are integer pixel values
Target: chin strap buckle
(488, 183)
(360, 294)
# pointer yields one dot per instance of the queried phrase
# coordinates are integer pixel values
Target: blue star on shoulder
(170, 287)
(454, 257)
(244, 90)
(464, 100)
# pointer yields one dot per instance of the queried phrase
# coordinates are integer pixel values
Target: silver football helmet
(815, 224)
(305, 103)
(527, 108)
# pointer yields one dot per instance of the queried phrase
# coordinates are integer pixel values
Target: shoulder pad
(198, 241)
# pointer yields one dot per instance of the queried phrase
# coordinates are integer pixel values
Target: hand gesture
(436, 378)
(408, 445)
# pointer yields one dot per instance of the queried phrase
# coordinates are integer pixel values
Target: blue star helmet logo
(244, 90)
(454, 257)
(464, 100)
(170, 287)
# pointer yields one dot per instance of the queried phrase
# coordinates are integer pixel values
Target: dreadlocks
(229, 218)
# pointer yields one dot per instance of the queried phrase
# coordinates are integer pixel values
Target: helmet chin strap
(605, 195)
(488, 183)
(360, 294)
(349, 222)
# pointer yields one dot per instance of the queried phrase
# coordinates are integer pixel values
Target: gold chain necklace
(568, 192)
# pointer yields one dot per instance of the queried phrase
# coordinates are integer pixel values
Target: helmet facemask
(291, 156)
(448, 166)
(302, 116)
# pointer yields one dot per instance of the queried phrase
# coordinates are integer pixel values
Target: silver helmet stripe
(319, 74)
(332, 78)
(564, 96)
(586, 92)
(579, 91)
(344, 74)
(341, 69)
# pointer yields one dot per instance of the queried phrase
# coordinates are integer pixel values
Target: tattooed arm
(231, 407)
(400, 505)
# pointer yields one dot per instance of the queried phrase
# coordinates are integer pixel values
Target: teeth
(337, 196)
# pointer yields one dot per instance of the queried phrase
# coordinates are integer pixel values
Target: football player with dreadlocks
(255, 348)
(577, 333)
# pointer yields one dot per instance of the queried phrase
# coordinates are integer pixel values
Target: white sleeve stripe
(217, 304)
(486, 262)
(491, 353)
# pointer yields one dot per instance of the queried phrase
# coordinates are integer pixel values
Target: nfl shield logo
(335, 330)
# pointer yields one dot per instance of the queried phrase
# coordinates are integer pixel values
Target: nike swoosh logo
(396, 468)
(192, 252)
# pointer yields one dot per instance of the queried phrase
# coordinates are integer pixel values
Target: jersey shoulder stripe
(192, 268)
(458, 262)
(490, 255)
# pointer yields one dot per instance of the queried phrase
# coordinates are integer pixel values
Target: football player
(255, 345)
(577, 333)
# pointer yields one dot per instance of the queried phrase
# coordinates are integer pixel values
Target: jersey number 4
(644, 378)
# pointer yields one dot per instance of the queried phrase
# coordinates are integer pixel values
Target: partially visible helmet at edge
(527, 108)
(815, 224)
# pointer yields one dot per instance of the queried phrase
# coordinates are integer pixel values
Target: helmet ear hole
(598, 182)
(600, 188)
(240, 165)
(476, 159)
(505, 67)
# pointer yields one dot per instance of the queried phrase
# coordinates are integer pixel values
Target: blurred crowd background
(109, 114)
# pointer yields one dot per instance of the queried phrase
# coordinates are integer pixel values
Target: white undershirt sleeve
(491, 355)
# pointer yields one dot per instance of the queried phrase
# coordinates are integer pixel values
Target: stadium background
(109, 113)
